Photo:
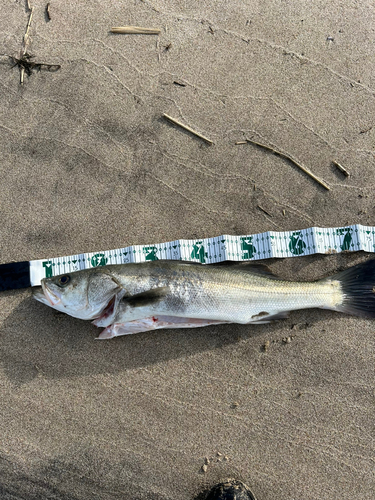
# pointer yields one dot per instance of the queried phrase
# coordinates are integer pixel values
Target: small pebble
(204, 468)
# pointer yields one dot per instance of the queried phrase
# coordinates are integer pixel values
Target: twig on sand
(135, 30)
(48, 14)
(25, 41)
(26, 35)
(189, 129)
(263, 210)
(341, 168)
(24, 61)
(292, 160)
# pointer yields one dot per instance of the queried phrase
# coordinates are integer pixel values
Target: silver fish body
(236, 294)
(167, 294)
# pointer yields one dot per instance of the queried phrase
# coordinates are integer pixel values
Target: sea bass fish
(131, 298)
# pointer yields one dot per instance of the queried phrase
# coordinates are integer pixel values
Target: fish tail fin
(358, 288)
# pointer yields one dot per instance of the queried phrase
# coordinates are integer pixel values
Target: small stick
(135, 30)
(26, 40)
(48, 12)
(176, 122)
(180, 84)
(157, 48)
(365, 131)
(28, 4)
(287, 157)
(341, 168)
(26, 35)
(265, 211)
(240, 142)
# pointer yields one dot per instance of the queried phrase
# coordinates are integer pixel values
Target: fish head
(82, 294)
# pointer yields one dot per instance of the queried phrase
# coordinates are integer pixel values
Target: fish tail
(358, 289)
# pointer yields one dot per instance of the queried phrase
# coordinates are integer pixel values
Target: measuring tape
(205, 250)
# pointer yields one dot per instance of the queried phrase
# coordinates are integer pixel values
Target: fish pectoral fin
(150, 297)
(262, 318)
(136, 326)
(129, 328)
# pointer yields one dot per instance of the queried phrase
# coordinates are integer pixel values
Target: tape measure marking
(220, 248)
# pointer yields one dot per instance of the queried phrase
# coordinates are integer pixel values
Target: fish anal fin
(262, 318)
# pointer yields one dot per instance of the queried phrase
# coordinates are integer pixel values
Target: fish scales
(223, 293)
(130, 298)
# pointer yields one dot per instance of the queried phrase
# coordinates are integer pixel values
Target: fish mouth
(53, 298)
(38, 295)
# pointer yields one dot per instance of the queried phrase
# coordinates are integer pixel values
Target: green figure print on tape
(198, 252)
(218, 249)
(346, 243)
(248, 249)
(150, 253)
(99, 259)
(48, 268)
(296, 244)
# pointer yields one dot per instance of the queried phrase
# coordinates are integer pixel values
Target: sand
(89, 163)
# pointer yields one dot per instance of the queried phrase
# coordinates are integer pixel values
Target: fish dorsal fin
(254, 268)
(150, 297)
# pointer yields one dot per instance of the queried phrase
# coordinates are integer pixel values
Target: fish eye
(64, 280)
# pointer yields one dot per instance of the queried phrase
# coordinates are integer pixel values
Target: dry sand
(87, 163)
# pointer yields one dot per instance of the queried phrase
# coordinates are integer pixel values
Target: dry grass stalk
(341, 168)
(135, 30)
(292, 160)
(189, 129)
